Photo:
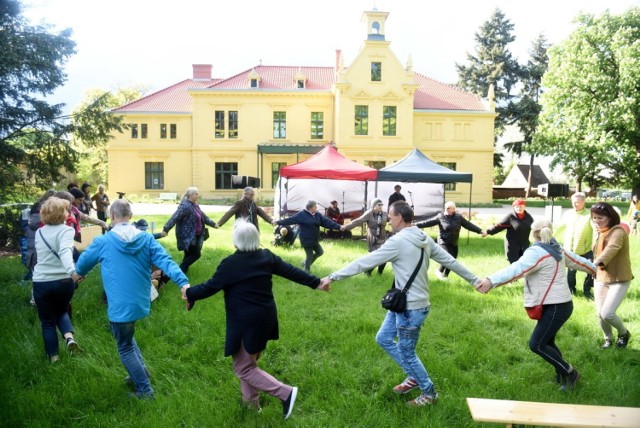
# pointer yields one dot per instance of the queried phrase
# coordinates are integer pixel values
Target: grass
(473, 345)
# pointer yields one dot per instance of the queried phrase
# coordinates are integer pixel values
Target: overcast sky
(154, 43)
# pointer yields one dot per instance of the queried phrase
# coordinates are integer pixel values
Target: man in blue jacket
(310, 221)
(126, 255)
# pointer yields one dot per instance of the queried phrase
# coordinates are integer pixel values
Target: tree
(492, 64)
(34, 135)
(590, 121)
(526, 110)
(93, 163)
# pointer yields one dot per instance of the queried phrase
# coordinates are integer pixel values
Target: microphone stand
(411, 197)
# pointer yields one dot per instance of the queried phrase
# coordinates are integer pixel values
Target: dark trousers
(451, 249)
(52, 300)
(192, 254)
(588, 281)
(313, 253)
(543, 338)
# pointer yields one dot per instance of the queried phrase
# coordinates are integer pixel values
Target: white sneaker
(440, 275)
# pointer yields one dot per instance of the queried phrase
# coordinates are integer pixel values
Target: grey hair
(248, 189)
(190, 192)
(311, 204)
(579, 195)
(101, 187)
(449, 204)
(246, 236)
(63, 194)
(121, 209)
(374, 202)
(542, 230)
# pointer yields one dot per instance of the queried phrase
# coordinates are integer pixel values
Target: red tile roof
(434, 95)
(281, 78)
(430, 95)
(174, 99)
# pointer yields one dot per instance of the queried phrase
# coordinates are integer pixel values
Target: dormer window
(300, 79)
(254, 79)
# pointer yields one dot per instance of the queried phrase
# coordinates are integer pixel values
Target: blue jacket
(309, 226)
(185, 221)
(126, 270)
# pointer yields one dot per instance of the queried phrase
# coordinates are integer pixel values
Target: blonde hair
(542, 230)
(54, 211)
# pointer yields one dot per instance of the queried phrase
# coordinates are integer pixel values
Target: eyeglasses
(379, 205)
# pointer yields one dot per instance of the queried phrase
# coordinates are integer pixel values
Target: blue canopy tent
(429, 179)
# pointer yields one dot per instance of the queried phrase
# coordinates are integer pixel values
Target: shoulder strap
(551, 283)
(405, 290)
(45, 241)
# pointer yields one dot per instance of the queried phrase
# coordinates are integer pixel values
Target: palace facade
(204, 130)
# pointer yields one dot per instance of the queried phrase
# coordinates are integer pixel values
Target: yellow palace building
(202, 131)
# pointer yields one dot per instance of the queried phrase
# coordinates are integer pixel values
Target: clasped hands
(325, 284)
(483, 285)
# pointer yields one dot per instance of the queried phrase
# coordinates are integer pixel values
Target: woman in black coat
(252, 319)
(190, 224)
(518, 227)
(449, 223)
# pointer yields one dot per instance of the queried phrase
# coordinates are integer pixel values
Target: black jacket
(245, 277)
(449, 227)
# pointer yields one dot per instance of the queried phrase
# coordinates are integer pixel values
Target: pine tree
(492, 64)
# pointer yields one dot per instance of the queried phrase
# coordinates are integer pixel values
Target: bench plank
(168, 196)
(552, 414)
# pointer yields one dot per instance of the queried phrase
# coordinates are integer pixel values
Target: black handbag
(205, 234)
(395, 300)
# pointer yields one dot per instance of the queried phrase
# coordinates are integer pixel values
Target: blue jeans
(406, 328)
(52, 301)
(130, 356)
(543, 338)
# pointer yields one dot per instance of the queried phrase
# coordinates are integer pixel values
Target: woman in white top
(54, 276)
(543, 267)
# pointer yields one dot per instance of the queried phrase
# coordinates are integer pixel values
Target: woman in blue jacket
(310, 221)
(190, 224)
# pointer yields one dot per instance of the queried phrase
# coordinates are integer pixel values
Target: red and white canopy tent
(324, 177)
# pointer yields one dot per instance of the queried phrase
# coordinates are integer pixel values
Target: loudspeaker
(242, 181)
(553, 190)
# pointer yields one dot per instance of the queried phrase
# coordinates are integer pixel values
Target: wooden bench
(552, 414)
(168, 197)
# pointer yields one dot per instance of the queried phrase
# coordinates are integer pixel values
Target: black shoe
(570, 380)
(623, 339)
(588, 295)
(607, 343)
(287, 405)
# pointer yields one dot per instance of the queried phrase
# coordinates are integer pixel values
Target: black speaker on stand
(242, 181)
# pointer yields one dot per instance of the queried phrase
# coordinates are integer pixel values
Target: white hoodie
(403, 251)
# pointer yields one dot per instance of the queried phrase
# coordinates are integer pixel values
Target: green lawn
(473, 345)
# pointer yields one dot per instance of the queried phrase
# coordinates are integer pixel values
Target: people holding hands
(543, 268)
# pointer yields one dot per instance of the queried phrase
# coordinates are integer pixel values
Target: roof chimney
(202, 71)
(338, 55)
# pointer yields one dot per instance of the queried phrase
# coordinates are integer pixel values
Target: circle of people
(594, 243)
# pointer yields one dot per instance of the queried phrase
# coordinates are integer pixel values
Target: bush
(10, 229)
